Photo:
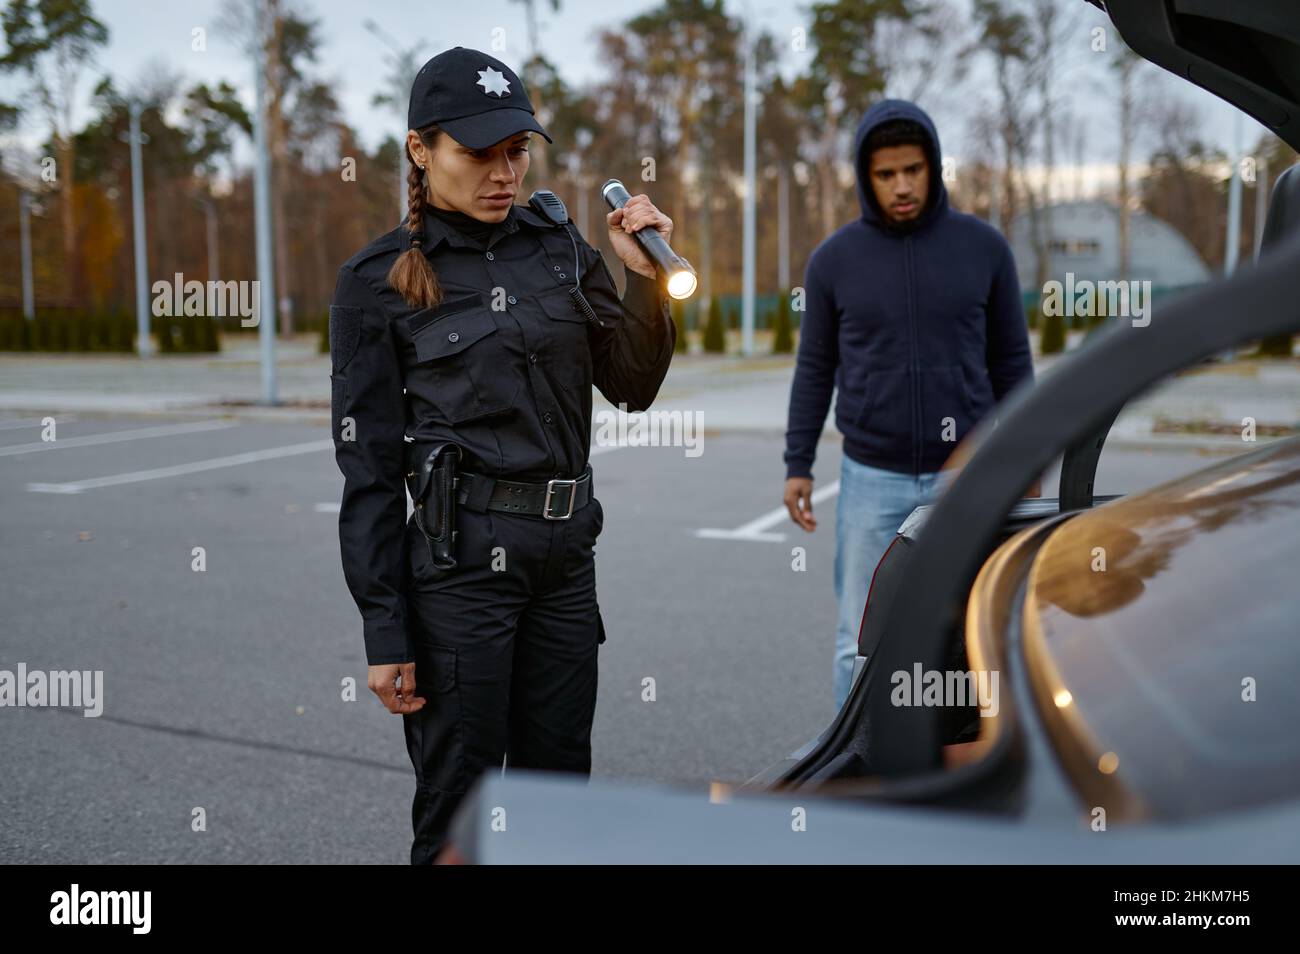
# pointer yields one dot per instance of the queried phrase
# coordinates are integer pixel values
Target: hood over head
(882, 112)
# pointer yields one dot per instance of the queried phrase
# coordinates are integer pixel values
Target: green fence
(70, 329)
(66, 329)
(765, 307)
(1033, 298)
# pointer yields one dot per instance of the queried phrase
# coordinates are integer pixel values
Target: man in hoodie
(913, 312)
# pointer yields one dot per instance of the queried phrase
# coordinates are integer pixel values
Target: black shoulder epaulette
(531, 217)
(386, 244)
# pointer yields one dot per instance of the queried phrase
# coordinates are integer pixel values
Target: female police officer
(461, 331)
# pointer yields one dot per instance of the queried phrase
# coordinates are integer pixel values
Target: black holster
(431, 480)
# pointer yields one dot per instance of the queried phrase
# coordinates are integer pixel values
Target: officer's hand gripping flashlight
(680, 275)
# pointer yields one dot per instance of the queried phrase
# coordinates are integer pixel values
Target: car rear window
(1163, 632)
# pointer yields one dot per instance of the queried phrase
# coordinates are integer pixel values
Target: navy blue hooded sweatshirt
(921, 330)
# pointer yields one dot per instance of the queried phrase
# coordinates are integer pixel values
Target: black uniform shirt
(503, 366)
(467, 225)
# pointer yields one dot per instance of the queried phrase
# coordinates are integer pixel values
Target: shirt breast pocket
(567, 355)
(457, 343)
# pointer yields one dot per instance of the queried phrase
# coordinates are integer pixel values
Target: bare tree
(534, 68)
(680, 63)
(848, 74)
(1045, 20)
(53, 43)
(1180, 185)
(1004, 33)
(1126, 66)
(931, 48)
(403, 62)
(287, 37)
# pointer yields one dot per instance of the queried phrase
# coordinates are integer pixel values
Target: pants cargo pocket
(434, 735)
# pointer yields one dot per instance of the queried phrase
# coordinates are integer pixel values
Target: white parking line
(114, 437)
(336, 507)
(756, 529)
(212, 463)
(14, 423)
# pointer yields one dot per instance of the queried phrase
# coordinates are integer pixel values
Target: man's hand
(398, 697)
(637, 213)
(798, 500)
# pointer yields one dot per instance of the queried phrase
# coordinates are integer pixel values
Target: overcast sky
(145, 33)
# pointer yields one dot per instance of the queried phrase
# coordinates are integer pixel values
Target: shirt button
(512, 300)
(490, 256)
(532, 358)
(547, 418)
(454, 336)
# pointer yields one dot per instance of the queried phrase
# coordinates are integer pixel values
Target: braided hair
(411, 275)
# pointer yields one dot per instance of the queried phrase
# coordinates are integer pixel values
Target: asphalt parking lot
(223, 688)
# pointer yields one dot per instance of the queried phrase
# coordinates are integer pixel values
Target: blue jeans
(873, 502)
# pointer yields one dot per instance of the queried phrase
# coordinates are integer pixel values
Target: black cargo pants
(505, 656)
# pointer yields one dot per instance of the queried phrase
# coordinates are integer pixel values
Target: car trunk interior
(1249, 55)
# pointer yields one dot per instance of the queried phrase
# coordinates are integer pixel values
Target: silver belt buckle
(550, 492)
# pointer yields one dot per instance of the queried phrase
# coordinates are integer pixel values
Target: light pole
(210, 220)
(583, 139)
(266, 312)
(747, 242)
(143, 347)
(1234, 199)
(1261, 201)
(783, 226)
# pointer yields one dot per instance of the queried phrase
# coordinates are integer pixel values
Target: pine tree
(1053, 340)
(676, 308)
(715, 335)
(1279, 347)
(782, 337)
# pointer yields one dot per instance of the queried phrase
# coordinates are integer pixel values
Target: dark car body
(1145, 709)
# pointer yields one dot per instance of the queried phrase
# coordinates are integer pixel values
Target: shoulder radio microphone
(551, 207)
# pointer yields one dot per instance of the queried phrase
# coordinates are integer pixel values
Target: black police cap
(475, 98)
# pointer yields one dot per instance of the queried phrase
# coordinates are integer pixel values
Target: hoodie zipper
(908, 278)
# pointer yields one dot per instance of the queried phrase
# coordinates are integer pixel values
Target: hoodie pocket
(947, 408)
(885, 420)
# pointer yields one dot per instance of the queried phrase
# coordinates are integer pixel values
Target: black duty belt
(556, 499)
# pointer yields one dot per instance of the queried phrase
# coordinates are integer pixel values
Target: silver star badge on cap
(493, 81)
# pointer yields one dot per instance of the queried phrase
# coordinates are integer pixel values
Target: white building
(1085, 241)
